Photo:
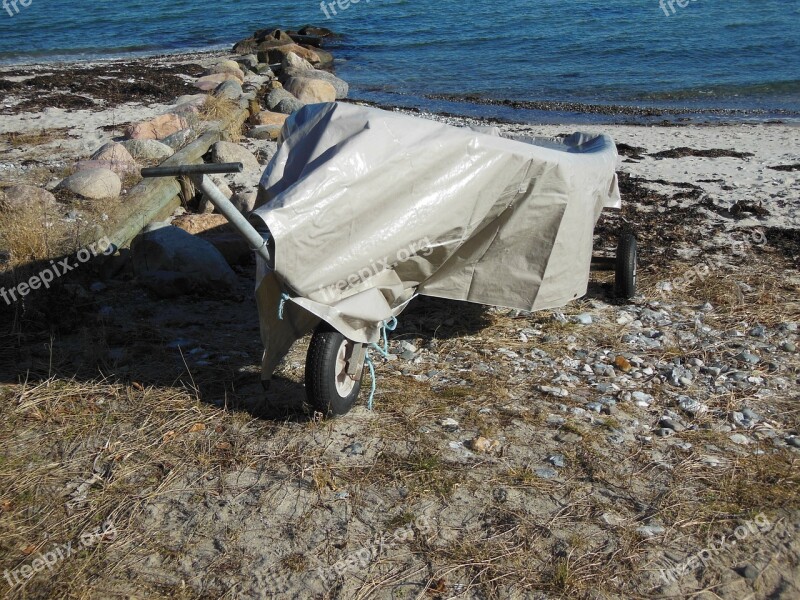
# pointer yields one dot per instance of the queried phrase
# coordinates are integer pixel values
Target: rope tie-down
(386, 326)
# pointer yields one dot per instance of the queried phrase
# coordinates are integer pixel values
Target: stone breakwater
(273, 74)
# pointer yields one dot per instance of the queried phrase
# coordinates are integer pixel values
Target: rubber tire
(320, 376)
(625, 271)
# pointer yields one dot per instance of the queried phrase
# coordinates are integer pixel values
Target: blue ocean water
(711, 53)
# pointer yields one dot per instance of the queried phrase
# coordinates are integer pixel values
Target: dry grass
(31, 234)
(224, 110)
(34, 138)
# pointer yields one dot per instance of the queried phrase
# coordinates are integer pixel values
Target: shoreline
(500, 110)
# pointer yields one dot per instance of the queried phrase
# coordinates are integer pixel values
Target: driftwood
(156, 199)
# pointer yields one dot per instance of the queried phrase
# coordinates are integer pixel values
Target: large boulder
(265, 132)
(266, 117)
(195, 224)
(232, 90)
(228, 152)
(244, 201)
(171, 262)
(226, 66)
(279, 100)
(148, 150)
(272, 38)
(205, 205)
(180, 138)
(93, 184)
(293, 61)
(21, 196)
(157, 128)
(210, 82)
(340, 85)
(120, 168)
(112, 151)
(324, 58)
(310, 91)
(248, 61)
(277, 54)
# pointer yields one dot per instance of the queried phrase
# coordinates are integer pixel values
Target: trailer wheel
(329, 388)
(625, 271)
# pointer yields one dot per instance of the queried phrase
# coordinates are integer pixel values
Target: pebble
(748, 357)
(664, 432)
(642, 399)
(449, 424)
(545, 472)
(553, 391)
(670, 424)
(583, 319)
(738, 438)
(748, 571)
(649, 531)
(594, 407)
(788, 347)
(793, 441)
(355, 449)
(691, 406)
(557, 460)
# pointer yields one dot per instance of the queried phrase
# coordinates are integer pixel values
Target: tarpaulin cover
(368, 208)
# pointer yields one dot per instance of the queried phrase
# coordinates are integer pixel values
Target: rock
(642, 399)
(228, 152)
(449, 424)
(594, 407)
(148, 150)
(553, 391)
(667, 423)
(482, 444)
(205, 205)
(738, 438)
(157, 128)
(265, 132)
(342, 87)
(229, 89)
(120, 168)
(325, 57)
(112, 151)
(355, 449)
(226, 66)
(557, 460)
(664, 432)
(244, 202)
(691, 406)
(273, 37)
(266, 117)
(748, 358)
(211, 82)
(179, 139)
(293, 61)
(748, 571)
(195, 224)
(793, 441)
(171, 262)
(279, 100)
(545, 472)
(583, 319)
(276, 54)
(623, 364)
(649, 531)
(93, 184)
(248, 61)
(788, 347)
(22, 196)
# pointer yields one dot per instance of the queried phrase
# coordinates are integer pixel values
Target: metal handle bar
(192, 170)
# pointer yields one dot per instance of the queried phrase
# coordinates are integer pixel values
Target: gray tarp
(368, 207)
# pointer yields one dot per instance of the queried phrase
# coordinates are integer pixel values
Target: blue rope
(386, 326)
(284, 298)
(371, 366)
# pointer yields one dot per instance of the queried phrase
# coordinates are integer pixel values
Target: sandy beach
(604, 450)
